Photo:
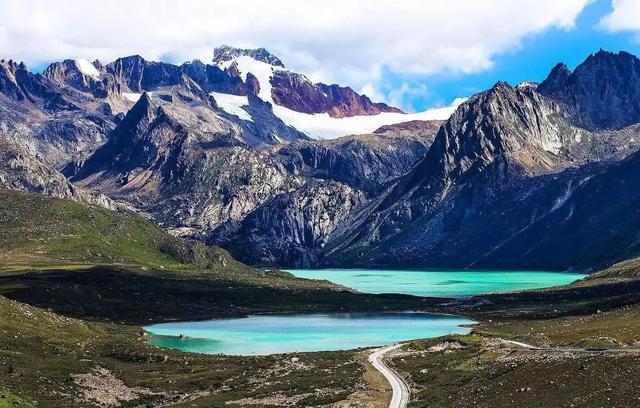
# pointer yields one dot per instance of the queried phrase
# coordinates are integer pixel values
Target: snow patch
(323, 126)
(319, 125)
(527, 84)
(132, 97)
(578, 137)
(87, 68)
(233, 104)
(261, 70)
(552, 145)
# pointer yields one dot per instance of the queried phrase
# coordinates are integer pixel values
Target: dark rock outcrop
(290, 229)
(365, 162)
(601, 93)
(296, 92)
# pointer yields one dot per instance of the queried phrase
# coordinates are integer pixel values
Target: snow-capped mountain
(320, 111)
(225, 152)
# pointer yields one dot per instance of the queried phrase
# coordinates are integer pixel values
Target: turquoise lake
(269, 334)
(440, 283)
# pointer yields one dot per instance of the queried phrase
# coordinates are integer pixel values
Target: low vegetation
(481, 371)
(62, 362)
(76, 284)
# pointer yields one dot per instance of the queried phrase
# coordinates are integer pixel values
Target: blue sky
(414, 54)
(532, 61)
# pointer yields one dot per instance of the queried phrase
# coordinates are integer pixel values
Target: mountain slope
(156, 159)
(603, 92)
(366, 162)
(290, 229)
(340, 176)
(593, 224)
(504, 162)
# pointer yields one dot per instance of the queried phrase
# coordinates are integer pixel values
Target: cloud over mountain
(355, 42)
(625, 16)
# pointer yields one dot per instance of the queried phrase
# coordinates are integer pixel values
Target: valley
(231, 233)
(85, 316)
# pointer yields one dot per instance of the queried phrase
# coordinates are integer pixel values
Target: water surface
(441, 283)
(302, 332)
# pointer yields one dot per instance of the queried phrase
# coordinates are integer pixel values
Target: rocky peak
(603, 92)
(227, 53)
(78, 74)
(8, 82)
(141, 114)
(296, 92)
(129, 70)
(128, 146)
(19, 84)
(195, 69)
(497, 137)
(556, 79)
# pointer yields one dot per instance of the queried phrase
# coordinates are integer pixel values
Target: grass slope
(97, 264)
(75, 281)
(42, 230)
(62, 362)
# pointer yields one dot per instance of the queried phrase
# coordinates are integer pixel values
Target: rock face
(296, 92)
(340, 177)
(366, 162)
(601, 93)
(189, 177)
(207, 183)
(227, 53)
(82, 75)
(290, 229)
(505, 162)
(43, 127)
(20, 171)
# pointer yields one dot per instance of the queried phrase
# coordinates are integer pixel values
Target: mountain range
(241, 153)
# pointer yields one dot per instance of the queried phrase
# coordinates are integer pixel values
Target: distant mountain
(340, 177)
(498, 170)
(225, 153)
(316, 109)
(601, 93)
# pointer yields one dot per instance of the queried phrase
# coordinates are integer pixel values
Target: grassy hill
(76, 282)
(93, 263)
(38, 230)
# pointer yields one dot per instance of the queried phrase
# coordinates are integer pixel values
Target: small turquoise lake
(270, 334)
(438, 283)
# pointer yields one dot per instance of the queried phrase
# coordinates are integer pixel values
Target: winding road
(399, 388)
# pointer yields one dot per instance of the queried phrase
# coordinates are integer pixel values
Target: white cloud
(351, 42)
(406, 94)
(625, 16)
(372, 92)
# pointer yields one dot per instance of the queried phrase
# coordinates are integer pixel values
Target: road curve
(399, 388)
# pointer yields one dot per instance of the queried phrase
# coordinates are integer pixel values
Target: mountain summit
(226, 53)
